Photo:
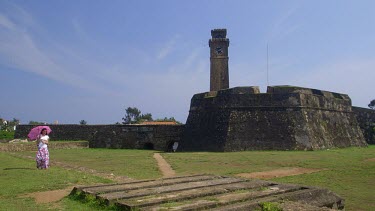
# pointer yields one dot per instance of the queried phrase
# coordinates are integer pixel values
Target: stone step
(165, 188)
(142, 184)
(201, 192)
(191, 194)
(312, 196)
(227, 198)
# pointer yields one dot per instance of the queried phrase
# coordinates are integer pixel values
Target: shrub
(6, 135)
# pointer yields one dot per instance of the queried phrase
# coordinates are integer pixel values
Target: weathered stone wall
(62, 132)
(366, 121)
(15, 147)
(158, 137)
(284, 118)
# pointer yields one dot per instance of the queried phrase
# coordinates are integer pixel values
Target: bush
(6, 135)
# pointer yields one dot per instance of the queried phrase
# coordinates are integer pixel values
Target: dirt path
(278, 173)
(49, 196)
(164, 166)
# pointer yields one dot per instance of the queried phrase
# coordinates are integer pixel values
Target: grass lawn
(348, 172)
(19, 177)
(137, 164)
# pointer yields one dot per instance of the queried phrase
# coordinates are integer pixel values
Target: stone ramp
(202, 192)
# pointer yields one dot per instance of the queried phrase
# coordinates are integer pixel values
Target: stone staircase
(210, 192)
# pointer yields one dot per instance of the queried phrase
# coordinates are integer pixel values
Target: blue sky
(74, 60)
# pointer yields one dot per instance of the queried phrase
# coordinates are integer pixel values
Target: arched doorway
(170, 146)
(148, 145)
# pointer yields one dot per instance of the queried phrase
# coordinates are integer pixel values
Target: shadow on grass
(20, 169)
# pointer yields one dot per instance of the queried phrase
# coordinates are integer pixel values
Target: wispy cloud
(81, 33)
(283, 26)
(19, 50)
(167, 48)
(5, 22)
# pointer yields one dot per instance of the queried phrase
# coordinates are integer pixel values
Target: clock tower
(219, 75)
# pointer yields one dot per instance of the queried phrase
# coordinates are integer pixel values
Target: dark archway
(170, 146)
(148, 145)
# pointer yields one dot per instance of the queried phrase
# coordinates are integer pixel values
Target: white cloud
(282, 26)
(81, 32)
(19, 50)
(5, 22)
(167, 48)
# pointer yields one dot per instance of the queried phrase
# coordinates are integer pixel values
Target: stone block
(202, 192)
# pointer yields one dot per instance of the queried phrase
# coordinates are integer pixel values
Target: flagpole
(267, 67)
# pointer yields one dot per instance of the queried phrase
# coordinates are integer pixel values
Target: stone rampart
(366, 121)
(158, 137)
(16, 147)
(284, 118)
(62, 132)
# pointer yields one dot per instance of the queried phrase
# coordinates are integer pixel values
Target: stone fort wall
(284, 118)
(62, 132)
(158, 137)
(366, 120)
(241, 118)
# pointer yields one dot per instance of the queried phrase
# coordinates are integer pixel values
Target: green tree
(144, 117)
(2, 125)
(36, 123)
(131, 115)
(134, 115)
(372, 104)
(15, 121)
(82, 122)
(8, 125)
(170, 119)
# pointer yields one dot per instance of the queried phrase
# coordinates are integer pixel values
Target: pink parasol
(33, 134)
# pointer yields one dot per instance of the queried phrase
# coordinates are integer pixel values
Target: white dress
(42, 156)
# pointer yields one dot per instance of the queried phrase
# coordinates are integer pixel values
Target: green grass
(347, 172)
(137, 164)
(270, 206)
(19, 177)
(88, 200)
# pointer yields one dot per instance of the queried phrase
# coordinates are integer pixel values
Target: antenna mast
(267, 66)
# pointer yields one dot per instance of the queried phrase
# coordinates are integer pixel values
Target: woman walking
(42, 156)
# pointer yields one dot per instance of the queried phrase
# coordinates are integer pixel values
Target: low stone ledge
(31, 146)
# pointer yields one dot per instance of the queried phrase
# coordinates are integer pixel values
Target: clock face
(219, 50)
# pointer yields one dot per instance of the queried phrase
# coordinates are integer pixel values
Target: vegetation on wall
(134, 116)
(8, 125)
(36, 123)
(7, 128)
(372, 104)
(82, 122)
(166, 119)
